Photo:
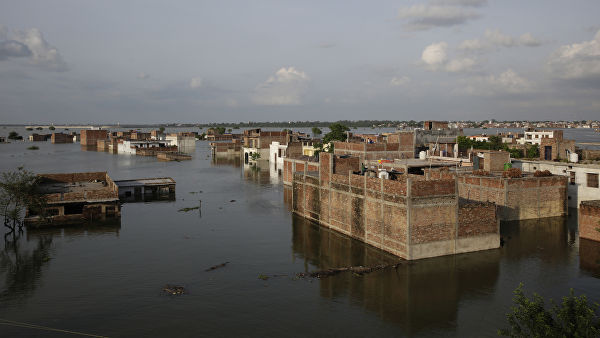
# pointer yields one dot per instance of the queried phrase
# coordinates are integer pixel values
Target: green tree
(51, 128)
(316, 131)
(495, 142)
(13, 135)
(533, 151)
(254, 156)
(337, 133)
(19, 190)
(161, 129)
(575, 317)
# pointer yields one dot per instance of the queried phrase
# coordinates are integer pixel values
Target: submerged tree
(575, 317)
(19, 191)
(316, 131)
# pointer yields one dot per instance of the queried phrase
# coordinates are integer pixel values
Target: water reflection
(21, 266)
(549, 239)
(22, 259)
(589, 256)
(262, 173)
(423, 295)
(232, 160)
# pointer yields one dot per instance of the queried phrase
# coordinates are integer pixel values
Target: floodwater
(107, 280)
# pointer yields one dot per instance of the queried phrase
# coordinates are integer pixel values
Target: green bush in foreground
(574, 317)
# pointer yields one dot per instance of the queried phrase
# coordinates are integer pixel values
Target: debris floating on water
(358, 270)
(174, 290)
(214, 267)
(232, 201)
(188, 209)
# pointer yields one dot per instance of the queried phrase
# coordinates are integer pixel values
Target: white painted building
(583, 178)
(130, 147)
(535, 137)
(277, 153)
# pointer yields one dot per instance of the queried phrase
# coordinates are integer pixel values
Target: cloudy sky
(217, 61)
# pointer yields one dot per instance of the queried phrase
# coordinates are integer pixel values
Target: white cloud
(30, 43)
(435, 57)
(528, 40)
(143, 76)
(13, 49)
(423, 17)
(286, 87)
(508, 82)
(578, 60)
(460, 65)
(495, 38)
(196, 82)
(435, 54)
(399, 81)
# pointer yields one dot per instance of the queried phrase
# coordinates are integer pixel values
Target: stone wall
(589, 220)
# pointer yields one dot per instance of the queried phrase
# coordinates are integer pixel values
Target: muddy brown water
(108, 280)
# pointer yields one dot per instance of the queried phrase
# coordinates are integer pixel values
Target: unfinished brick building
(522, 198)
(61, 138)
(410, 217)
(76, 197)
(89, 138)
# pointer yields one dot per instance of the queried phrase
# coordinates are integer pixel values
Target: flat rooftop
(145, 182)
(76, 187)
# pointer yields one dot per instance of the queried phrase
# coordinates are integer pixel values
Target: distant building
(435, 125)
(39, 137)
(89, 138)
(61, 138)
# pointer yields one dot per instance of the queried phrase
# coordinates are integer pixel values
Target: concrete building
(411, 217)
(277, 153)
(582, 178)
(144, 148)
(146, 186)
(76, 197)
(185, 142)
(536, 136)
(259, 142)
(589, 220)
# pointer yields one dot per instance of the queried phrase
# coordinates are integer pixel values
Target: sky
(235, 61)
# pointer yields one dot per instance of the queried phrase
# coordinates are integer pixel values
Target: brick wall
(589, 220)
(90, 137)
(61, 138)
(518, 198)
(409, 218)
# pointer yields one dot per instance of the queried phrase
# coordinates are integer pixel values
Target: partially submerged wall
(409, 218)
(518, 198)
(589, 220)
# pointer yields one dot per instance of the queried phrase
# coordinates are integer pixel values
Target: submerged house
(76, 197)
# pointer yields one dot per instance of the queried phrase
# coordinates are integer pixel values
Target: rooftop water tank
(574, 158)
(422, 155)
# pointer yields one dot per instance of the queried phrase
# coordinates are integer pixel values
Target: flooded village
(405, 229)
